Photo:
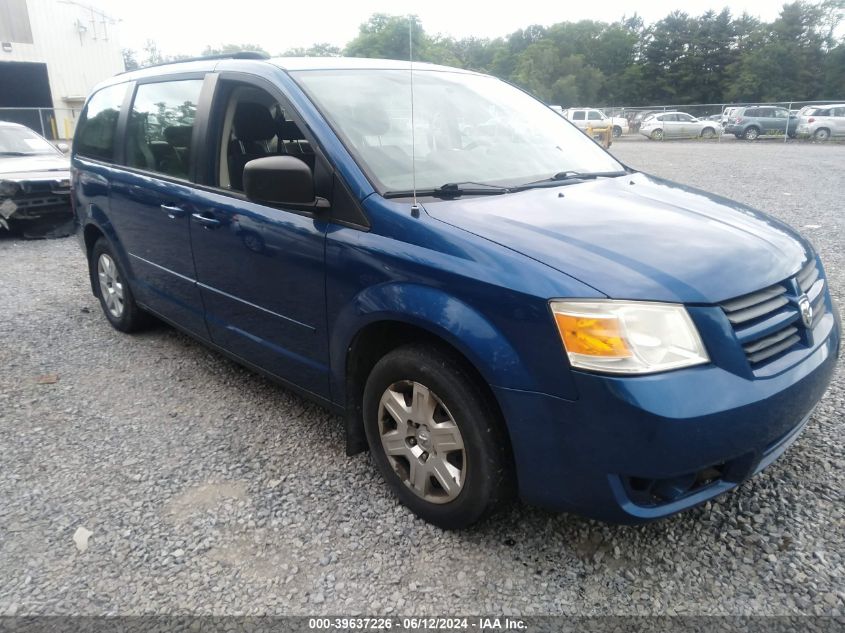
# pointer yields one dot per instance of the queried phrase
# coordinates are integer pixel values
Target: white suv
(590, 117)
(822, 122)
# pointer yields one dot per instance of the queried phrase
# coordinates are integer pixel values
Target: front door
(151, 200)
(260, 269)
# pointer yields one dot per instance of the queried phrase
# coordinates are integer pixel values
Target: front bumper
(639, 448)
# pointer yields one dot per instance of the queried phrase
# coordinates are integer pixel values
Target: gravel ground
(207, 489)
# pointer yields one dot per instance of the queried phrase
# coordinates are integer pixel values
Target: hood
(35, 167)
(637, 237)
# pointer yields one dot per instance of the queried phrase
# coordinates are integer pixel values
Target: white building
(52, 52)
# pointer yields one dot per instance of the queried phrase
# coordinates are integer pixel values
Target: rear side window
(161, 122)
(592, 115)
(578, 115)
(95, 132)
(750, 112)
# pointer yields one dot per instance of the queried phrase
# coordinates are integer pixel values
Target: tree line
(716, 57)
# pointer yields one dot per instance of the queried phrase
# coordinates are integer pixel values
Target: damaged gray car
(34, 184)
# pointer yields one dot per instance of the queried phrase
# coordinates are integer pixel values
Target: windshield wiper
(567, 176)
(452, 190)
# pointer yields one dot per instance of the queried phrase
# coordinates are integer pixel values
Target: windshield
(468, 128)
(20, 141)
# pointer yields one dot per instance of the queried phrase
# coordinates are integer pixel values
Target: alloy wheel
(422, 441)
(111, 285)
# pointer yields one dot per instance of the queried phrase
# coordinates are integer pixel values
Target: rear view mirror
(281, 181)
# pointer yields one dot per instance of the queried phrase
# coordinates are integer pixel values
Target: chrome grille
(768, 322)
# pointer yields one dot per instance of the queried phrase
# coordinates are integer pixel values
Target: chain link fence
(55, 124)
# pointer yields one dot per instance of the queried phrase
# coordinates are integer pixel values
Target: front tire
(112, 289)
(708, 132)
(436, 437)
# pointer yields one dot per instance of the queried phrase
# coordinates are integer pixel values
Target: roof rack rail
(201, 58)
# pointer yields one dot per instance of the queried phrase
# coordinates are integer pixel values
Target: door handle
(173, 211)
(207, 221)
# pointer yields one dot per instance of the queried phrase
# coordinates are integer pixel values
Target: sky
(186, 27)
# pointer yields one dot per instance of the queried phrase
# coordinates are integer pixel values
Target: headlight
(628, 337)
(8, 189)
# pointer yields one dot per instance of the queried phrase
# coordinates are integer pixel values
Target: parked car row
(819, 122)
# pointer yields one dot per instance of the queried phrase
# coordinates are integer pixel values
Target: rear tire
(822, 134)
(657, 135)
(751, 134)
(427, 421)
(112, 289)
(617, 131)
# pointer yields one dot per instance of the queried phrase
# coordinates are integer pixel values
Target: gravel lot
(207, 489)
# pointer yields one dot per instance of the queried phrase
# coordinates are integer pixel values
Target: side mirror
(281, 181)
(62, 147)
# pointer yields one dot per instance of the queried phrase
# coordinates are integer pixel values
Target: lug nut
(412, 441)
(423, 457)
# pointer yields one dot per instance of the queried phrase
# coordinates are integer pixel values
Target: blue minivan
(495, 304)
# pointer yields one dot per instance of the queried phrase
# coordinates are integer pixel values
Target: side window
(592, 115)
(780, 113)
(578, 115)
(684, 117)
(255, 125)
(670, 117)
(161, 122)
(751, 112)
(95, 131)
(839, 112)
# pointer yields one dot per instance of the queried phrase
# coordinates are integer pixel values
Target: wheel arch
(97, 226)
(421, 315)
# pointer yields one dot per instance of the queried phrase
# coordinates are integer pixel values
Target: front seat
(254, 127)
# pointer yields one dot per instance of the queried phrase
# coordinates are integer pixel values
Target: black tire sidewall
(485, 463)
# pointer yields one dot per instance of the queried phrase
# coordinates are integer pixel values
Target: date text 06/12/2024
(418, 624)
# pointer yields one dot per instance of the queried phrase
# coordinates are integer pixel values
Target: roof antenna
(415, 208)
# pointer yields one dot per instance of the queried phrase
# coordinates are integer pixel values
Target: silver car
(822, 122)
(34, 182)
(662, 125)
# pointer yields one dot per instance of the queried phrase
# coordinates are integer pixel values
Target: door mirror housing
(62, 147)
(281, 181)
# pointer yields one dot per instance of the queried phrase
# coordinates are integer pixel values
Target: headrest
(289, 131)
(253, 122)
(371, 120)
(179, 135)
